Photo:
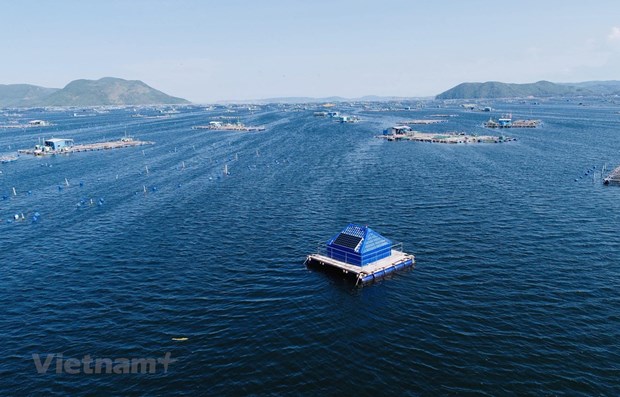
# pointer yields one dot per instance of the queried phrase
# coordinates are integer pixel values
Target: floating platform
(7, 159)
(218, 126)
(89, 147)
(424, 121)
(30, 124)
(360, 255)
(446, 137)
(508, 123)
(613, 178)
(362, 275)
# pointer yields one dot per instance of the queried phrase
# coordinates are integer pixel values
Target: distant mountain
(105, 91)
(17, 95)
(609, 87)
(495, 89)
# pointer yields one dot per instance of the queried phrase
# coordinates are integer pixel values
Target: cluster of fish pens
(336, 255)
(28, 201)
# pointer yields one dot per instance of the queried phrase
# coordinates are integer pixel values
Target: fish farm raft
(405, 133)
(613, 177)
(361, 255)
(219, 126)
(65, 146)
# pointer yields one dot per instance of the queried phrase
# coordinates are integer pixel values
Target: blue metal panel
(358, 245)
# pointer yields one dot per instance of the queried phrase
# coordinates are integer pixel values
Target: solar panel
(346, 240)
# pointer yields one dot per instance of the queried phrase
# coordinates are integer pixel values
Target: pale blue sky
(207, 50)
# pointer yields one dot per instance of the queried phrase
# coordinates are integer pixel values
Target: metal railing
(353, 258)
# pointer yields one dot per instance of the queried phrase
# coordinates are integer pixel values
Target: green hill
(495, 89)
(107, 91)
(18, 95)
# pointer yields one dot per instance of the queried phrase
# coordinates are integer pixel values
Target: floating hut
(361, 255)
(39, 123)
(397, 130)
(347, 119)
(613, 177)
(56, 144)
(506, 122)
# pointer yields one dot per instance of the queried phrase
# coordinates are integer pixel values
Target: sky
(207, 51)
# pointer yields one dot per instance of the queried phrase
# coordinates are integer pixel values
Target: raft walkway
(424, 121)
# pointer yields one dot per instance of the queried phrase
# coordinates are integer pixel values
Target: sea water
(516, 289)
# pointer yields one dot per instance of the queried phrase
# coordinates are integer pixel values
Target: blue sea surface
(516, 290)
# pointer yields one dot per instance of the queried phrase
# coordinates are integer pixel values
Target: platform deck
(360, 274)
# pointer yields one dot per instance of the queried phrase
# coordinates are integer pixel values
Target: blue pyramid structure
(358, 245)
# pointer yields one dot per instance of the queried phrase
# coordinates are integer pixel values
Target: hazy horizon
(208, 52)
